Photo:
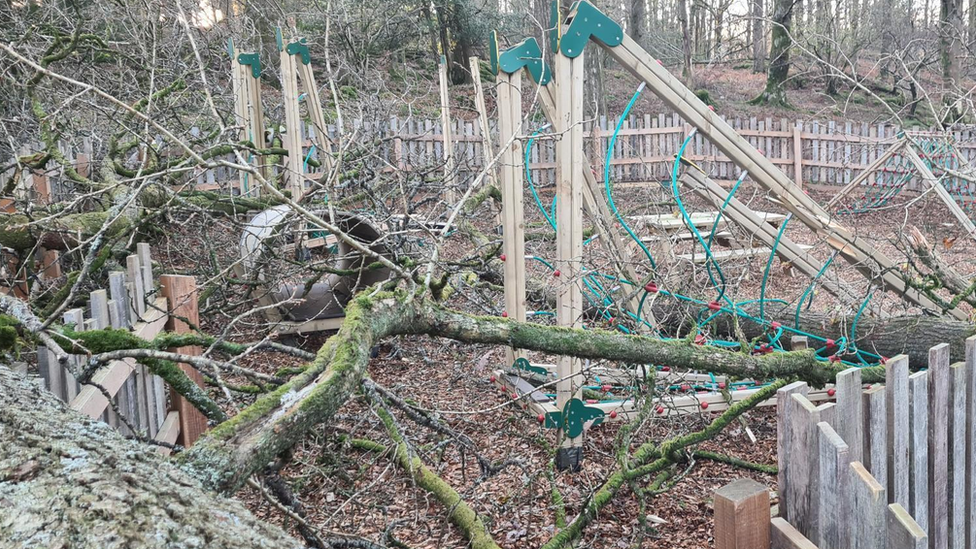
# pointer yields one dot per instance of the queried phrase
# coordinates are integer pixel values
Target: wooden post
(971, 440)
(958, 481)
(918, 451)
(938, 527)
(479, 103)
(834, 526)
(314, 106)
(803, 488)
(850, 424)
(569, 237)
(293, 123)
(181, 298)
(513, 237)
(742, 515)
(50, 264)
(450, 181)
(875, 431)
(798, 154)
(869, 507)
(896, 404)
(785, 441)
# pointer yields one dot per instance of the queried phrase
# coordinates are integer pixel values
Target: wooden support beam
(314, 104)
(866, 173)
(181, 299)
(872, 263)
(742, 515)
(569, 236)
(294, 178)
(513, 226)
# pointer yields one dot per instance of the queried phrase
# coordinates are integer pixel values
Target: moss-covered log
(69, 481)
(224, 458)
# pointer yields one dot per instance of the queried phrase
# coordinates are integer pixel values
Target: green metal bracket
(493, 51)
(588, 23)
(528, 54)
(279, 39)
(300, 48)
(526, 366)
(577, 416)
(555, 24)
(230, 47)
(252, 60)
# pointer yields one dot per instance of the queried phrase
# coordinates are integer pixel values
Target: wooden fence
(888, 465)
(134, 303)
(811, 152)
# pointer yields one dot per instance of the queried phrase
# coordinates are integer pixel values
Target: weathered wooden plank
(742, 515)
(99, 309)
(850, 416)
(784, 536)
(120, 295)
(181, 295)
(137, 289)
(869, 509)
(903, 532)
(957, 455)
(896, 404)
(785, 442)
(834, 525)
(971, 440)
(938, 526)
(918, 447)
(875, 433)
(168, 432)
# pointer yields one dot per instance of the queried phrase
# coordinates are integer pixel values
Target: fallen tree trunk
(69, 481)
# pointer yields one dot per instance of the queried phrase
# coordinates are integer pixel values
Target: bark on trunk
(69, 481)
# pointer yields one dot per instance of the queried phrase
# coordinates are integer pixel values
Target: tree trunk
(779, 55)
(638, 20)
(686, 74)
(758, 37)
(950, 35)
(71, 481)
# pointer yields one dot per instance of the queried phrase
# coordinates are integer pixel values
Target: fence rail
(811, 152)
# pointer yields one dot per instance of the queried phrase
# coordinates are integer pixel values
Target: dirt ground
(365, 494)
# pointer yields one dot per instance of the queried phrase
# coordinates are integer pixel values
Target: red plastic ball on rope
(514, 396)
(611, 320)
(491, 379)
(711, 108)
(650, 287)
(700, 339)
(834, 358)
(884, 360)
(556, 273)
(504, 314)
(591, 401)
(613, 414)
(542, 418)
(704, 405)
(831, 392)
(502, 257)
(606, 388)
(714, 305)
(660, 409)
(775, 325)
(685, 387)
(665, 368)
(830, 342)
(503, 390)
(721, 384)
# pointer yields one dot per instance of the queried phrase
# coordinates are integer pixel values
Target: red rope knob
(704, 405)
(613, 414)
(504, 314)
(650, 287)
(714, 305)
(660, 409)
(542, 418)
(555, 273)
(831, 392)
(502, 257)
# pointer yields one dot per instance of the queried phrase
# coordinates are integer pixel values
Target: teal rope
(769, 264)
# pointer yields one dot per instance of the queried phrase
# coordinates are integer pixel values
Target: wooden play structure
(931, 157)
(139, 302)
(577, 192)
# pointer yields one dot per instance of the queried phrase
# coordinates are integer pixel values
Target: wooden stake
(742, 516)
(181, 298)
(450, 181)
(293, 125)
(513, 230)
(479, 103)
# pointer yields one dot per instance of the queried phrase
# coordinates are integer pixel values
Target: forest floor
(362, 493)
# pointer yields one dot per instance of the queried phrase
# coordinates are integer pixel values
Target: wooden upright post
(293, 122)
(798, 154)
(569, 235)
(181, 297)
(450, 181)
(742, 515)
(513, 238)
(479, 103)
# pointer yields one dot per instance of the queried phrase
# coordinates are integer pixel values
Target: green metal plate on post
(300, 48)
(526, 366)
(252, 60)
(586, 23)
(493, 51)
(528, 54)
(577, 416)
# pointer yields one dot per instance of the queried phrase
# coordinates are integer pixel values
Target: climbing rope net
(603, 291)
